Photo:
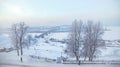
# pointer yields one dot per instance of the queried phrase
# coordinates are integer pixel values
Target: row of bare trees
(84, 39)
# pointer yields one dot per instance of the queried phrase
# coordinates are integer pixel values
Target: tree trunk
(17, 51)
(21, 50)
(77, 58)
(85, 58)
(21, 59)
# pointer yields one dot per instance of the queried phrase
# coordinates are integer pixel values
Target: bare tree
(29, 39)
(93, 33)
(18, 32)
(73, 47)
(15, 37)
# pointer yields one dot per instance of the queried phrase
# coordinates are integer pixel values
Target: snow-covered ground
(5, 41)
(58, 36)
(112, 34)
(59, 65)
(53, 50)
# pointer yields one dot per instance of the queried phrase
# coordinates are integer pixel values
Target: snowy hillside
(112, 34)
(46, 48)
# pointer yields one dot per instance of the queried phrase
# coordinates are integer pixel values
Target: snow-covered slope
(53, 50)
(112, 34)
(5, 41)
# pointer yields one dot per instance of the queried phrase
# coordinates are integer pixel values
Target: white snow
(53, 50)
(5, 41)
(58, 36)
(112, 34)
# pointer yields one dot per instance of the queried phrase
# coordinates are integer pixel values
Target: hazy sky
(58, 12)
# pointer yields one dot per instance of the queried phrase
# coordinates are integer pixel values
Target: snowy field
(62, 65)
(112, 34)
(52, 50)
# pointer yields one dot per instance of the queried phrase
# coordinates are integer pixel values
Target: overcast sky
(58, 12)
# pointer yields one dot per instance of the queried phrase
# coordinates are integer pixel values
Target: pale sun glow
(15, 10)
